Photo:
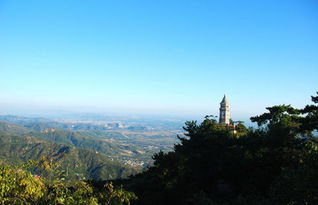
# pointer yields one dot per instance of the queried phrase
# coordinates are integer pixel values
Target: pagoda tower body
(224, 112)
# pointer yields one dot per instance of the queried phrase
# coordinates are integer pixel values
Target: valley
(124, 146)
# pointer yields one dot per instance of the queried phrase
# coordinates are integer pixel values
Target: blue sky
(157, 57)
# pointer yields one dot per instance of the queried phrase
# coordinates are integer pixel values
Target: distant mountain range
(86, 149)
(18, 147)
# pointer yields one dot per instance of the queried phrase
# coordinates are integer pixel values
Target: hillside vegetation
(19, 186)
(79, 163)
(104, 142)
(126, 141)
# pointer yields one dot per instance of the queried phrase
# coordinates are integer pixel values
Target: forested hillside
(133, 143)
(79, 163)
(102, 142)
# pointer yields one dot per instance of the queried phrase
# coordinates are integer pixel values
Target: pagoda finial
(224, 100)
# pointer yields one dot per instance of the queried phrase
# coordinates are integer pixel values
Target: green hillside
(12, 128)
(104, 143)
(77, 162)
(127, 147)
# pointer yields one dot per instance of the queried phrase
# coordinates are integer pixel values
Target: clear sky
(166, 56)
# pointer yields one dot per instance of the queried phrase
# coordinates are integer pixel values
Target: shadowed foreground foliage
(277, 163)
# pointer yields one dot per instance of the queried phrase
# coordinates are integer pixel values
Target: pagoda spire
(224, 117)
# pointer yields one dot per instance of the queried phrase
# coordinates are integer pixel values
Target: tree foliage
(276, 163)
(19, 186)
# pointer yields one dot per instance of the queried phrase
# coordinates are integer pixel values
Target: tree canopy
(20, 186)
(277, 163)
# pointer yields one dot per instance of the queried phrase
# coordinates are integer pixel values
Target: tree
(19, 187)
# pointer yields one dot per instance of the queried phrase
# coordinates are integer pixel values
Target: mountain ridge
(85, 162)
